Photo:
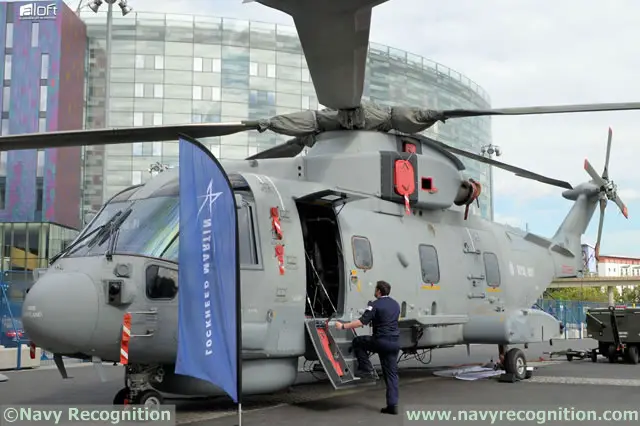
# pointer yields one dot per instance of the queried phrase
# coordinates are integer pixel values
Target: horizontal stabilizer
(538, 240)
(562, 250)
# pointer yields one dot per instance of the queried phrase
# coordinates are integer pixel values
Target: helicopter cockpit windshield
(149, 226)
(150, 229)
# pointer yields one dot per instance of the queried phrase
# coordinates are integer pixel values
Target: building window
(3, 194)
(5, 126)
(216, 65)
(429, 264)
(362, 256)
(158, 90)
(305, 102)
(43, 98)
(3, 163)
(161, 283)
(215, 94)
(44, 66)
(138, 119)
(136, 177)
(159, 62)
(7, 67)
(6, 98)
(139, 61)
(492, 269)
(156, 149)
(139, 90)
(35, 33)
(39, 199)
(157, 119)
(253, 68)
(42, 125)
(197, 92)
(197, 64)
(8, 41)
(271, 71)
(305, 75)
(40, 164)
(136, 149)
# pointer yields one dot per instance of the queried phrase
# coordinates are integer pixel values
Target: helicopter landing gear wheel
(148, 398)
(516, 363)
(121, 397)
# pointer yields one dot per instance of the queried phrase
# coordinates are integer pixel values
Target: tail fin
(573, 226)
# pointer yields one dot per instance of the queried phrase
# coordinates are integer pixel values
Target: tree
(585, 294)
(629, 295)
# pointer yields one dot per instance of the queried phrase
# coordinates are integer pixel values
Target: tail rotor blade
(594, 175)
(605, 173)
(622, 207)
(603, 206)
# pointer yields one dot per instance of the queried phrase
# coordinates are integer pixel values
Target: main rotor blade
(117, 136)
(334, 35)
(594, 175)
(288, 149)
(603, 206)
(517, 170)
(605, 173)
(558, 109)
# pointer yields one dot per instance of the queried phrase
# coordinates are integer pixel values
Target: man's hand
(339, 325)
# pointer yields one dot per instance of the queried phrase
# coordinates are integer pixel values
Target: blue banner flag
(209, 277)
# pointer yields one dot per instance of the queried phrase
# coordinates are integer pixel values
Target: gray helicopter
(372, 199)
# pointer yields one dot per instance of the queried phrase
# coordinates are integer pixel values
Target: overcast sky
(523, 53)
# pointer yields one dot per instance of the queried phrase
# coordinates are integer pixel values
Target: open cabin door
(326, 279)
(329, 198)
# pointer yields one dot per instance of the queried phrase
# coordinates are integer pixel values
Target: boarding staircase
(333, 349)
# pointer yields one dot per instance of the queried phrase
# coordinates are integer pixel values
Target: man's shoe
(393, 409)
(363, 374)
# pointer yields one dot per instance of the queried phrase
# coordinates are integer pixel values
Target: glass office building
(174, 69)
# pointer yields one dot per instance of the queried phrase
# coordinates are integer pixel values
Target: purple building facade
(43, 44)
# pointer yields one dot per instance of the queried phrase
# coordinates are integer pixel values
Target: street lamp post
(94, 5)
(490, 151)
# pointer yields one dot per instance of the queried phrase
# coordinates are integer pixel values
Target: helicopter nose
(60, 312)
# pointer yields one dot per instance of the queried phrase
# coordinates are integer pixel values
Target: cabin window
(492, 269)
(362, 256)
(429, 264)
(162, 283)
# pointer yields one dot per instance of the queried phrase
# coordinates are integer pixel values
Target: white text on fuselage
(206, 257)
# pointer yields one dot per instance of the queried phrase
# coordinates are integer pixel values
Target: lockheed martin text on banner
(209, 290)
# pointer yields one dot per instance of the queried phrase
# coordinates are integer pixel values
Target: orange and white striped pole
(126, 336)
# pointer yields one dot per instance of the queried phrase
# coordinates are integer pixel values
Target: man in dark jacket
(383, 314)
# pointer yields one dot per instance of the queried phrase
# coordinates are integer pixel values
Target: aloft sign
(38, 11)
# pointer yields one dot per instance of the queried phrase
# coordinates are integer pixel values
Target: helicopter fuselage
(460, 281)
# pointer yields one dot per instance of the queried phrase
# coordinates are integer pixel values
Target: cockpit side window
(247, 236)
(161, 283)
(248, 247)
